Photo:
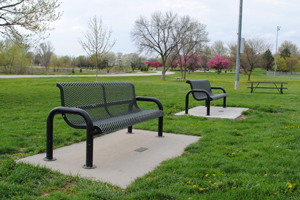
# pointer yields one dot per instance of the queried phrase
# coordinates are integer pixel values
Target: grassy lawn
(254, 158)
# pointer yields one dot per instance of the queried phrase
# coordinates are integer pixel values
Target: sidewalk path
(101, 75)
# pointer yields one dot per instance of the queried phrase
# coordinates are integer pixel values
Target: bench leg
(49, 142)
(160, 127)
(89, 136)
(224, 102)
(207, 107)
(129, 130)
(187, 104)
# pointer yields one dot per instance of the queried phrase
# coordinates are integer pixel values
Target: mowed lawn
(256, 157)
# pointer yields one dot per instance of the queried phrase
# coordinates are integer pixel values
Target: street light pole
(278, 28)
(237, 68)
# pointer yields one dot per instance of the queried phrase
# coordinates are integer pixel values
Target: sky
(260, 18)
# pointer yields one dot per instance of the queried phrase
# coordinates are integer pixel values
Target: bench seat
(123, 121)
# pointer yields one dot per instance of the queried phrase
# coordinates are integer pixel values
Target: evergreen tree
(267, 61)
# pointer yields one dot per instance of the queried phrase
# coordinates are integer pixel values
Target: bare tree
(218, 48)
(252, 56)
(194, 36)
(45, 51)
(98, 42)
(156, 35)
(166, 35)
(31, 15)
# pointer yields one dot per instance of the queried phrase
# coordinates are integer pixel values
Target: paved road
(101, 75)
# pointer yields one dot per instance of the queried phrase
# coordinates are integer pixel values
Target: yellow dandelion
(214, 175)
(189, 182)
(290, 185)
(40, 137)
(233, 154)
(216, 183)
(206, 175)
(201, 189)
(266, 174)
(209, 181)
(194, 186)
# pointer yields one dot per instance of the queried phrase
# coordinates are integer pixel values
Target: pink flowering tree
(188, 63)
(218, 63)
(193, 62)
(154, 64)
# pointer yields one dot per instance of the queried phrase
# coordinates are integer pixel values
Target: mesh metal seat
(201, 90)
(100, 108)
(111, 106)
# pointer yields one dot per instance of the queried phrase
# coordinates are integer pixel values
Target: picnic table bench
(276, 84)
(202, 90)
(100, 108)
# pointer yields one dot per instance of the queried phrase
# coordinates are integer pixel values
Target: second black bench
(100, 108)
(201, 90)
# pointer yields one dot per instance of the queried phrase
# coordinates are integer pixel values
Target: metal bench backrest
(200, 84)
(100, 100)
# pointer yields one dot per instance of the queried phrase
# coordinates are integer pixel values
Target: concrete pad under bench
(215, 112)
(120, 158)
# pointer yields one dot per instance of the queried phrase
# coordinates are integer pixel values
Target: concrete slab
(215, 112)
(115, 156)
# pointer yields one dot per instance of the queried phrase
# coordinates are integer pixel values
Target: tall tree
(267, 60)
(285, 53)
(13, 57)
(252, 56)
(293, 48)
(195, 36)
(45, 51)
(98, 41)
(161, 35)
(31, 15)
(218, 48)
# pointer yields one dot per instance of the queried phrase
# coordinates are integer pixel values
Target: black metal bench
(100, 108)
(201, 90)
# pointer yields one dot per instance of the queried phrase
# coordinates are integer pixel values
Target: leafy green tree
(285, 52)
(293, 48)
(32, 15)
(267, 60)
(292, 63)
(281, 64)
(14, 58)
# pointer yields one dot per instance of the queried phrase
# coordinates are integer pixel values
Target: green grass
(252, 158)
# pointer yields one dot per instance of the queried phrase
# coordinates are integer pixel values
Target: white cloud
(260, 19)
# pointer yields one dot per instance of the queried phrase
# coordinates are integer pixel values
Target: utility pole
(237, 72)
(278, 28)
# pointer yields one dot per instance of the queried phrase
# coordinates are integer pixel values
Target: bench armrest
(198, 90)
(219, 88)
(160, 106)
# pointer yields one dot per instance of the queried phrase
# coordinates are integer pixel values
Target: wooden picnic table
(278, 85)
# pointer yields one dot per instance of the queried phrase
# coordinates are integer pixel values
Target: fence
(271, 73)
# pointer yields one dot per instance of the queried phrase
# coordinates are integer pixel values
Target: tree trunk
(163, 73)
